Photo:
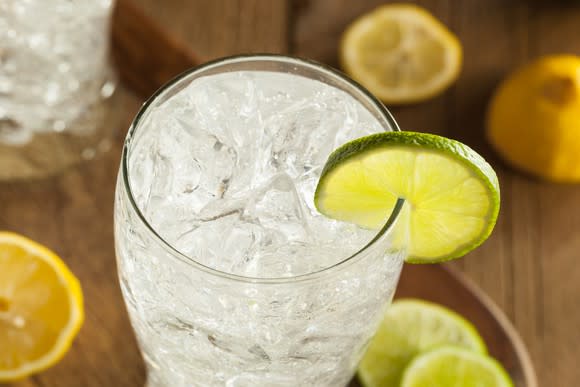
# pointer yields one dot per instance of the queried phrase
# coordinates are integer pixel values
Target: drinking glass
(56, 85)
(230, 275)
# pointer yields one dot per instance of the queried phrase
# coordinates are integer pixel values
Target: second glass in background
(57, 88)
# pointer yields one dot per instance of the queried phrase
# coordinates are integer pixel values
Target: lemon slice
(409, 328)
(451, 192)
(401, 53)
(451, 366)
(41, 308)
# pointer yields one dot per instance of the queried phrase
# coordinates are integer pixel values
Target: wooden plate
(135, 36)
(444, 285)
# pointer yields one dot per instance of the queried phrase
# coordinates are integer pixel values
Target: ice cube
(278, 206)
(191, 167)
(53, 60)
(236, 158)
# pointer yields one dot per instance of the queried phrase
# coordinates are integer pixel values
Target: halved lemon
(41, 307)
(401, 53)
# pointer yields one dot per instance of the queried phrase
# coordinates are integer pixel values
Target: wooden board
(445, 285)
(528, 267)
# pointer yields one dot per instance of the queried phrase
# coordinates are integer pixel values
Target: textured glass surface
(224, 170)
(55, 83)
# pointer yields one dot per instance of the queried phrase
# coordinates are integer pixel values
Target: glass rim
(391, 220)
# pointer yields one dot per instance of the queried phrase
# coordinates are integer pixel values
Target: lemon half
(41, 307)
(401, 53)
(533, 120)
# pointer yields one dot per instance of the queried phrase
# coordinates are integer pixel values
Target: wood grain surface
(528, 266)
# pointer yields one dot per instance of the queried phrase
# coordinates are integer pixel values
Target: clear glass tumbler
(56, 84)
(230, 275)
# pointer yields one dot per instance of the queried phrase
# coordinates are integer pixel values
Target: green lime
(452, 366)
(451, 192)
(409, 328)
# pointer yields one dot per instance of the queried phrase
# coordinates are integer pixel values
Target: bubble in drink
(224, 170)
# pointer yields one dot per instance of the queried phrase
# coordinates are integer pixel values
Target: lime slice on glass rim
(411, 327)
(452, 366)
(451, 192)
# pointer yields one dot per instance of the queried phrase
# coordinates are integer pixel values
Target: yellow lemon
(401, 53)
(41, 307)
(534, 118)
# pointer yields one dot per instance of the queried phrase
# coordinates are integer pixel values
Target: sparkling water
(53, 66)
(224, 170)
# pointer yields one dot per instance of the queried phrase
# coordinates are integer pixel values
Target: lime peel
(410, 327)
(366, 176)
(454, 366)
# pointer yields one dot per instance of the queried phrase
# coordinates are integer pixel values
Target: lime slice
(451, 192)
(451, 366)
(409, 328)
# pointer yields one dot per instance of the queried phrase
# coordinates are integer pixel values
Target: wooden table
(529, 265)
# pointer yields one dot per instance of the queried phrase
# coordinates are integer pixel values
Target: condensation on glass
(56, 84)
(230, 275)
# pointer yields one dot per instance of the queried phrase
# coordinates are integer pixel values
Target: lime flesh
(451, 366)
(409, 328)
(451, 192)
